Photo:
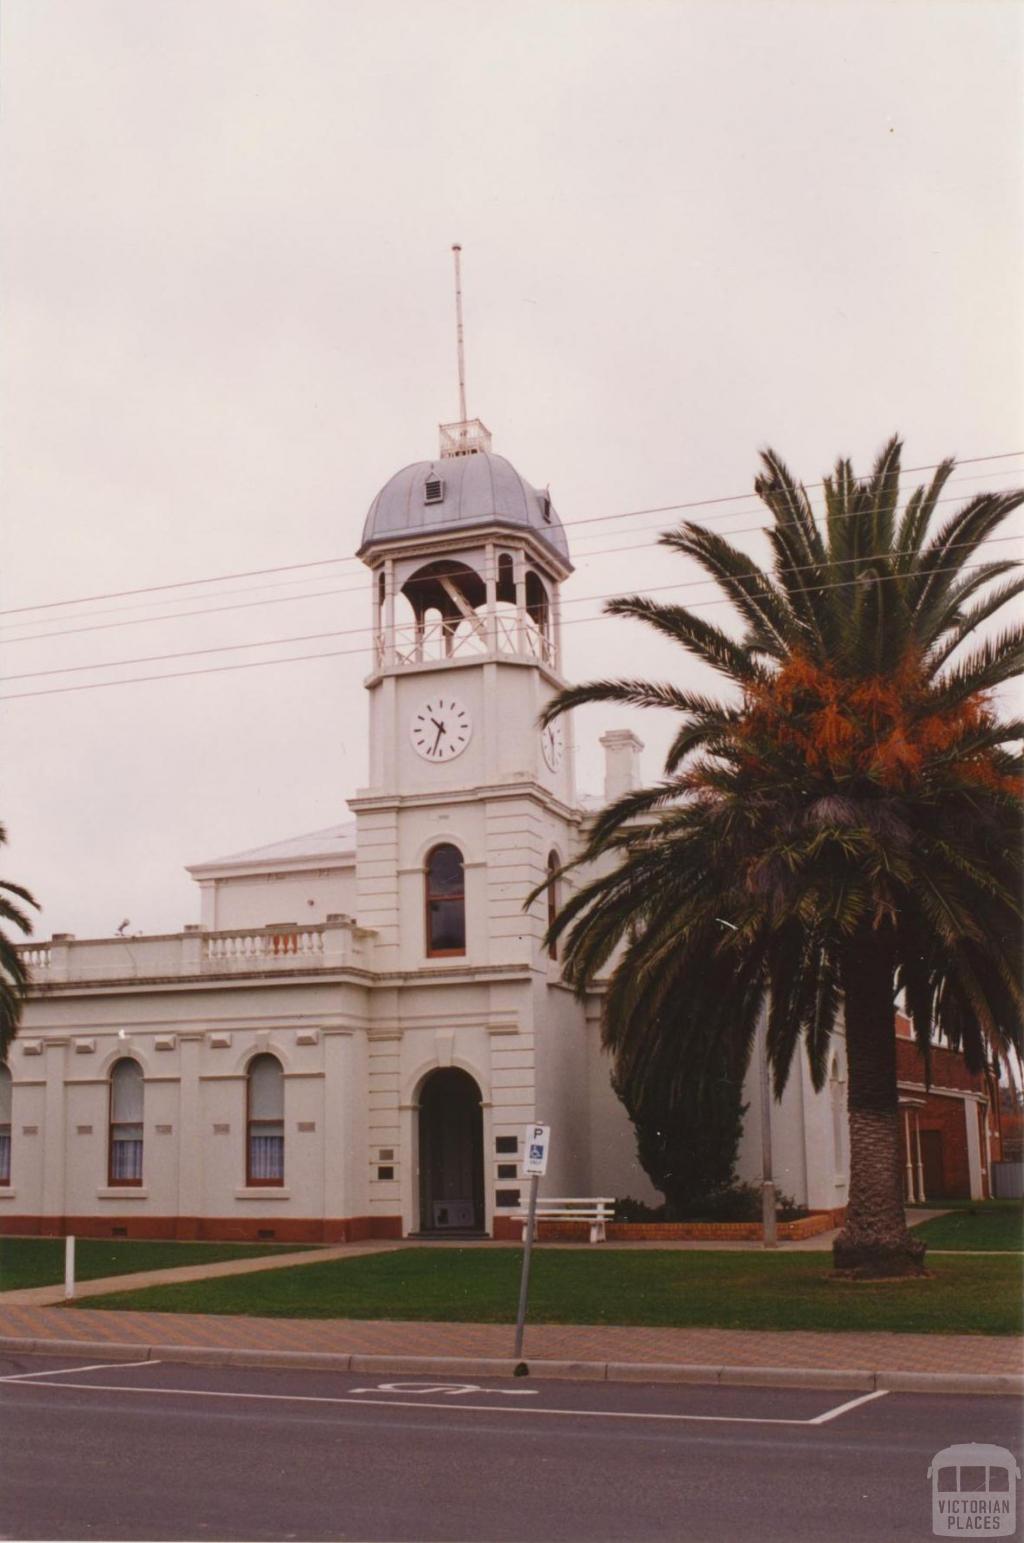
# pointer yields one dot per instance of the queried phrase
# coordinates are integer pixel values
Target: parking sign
(535, 1146)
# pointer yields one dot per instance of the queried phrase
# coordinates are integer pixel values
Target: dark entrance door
(451, 1153)
(932, 1163)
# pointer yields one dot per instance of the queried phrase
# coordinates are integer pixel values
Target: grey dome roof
(480, 489)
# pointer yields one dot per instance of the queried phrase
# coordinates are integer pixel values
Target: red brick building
(951, 1131)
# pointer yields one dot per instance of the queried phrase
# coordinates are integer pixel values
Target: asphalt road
(172, 1451)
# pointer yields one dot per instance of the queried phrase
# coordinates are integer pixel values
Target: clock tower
(466, 560)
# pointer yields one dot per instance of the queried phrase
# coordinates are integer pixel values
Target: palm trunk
(875, 1240)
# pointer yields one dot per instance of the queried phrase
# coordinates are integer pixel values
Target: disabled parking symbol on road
(448, 1389)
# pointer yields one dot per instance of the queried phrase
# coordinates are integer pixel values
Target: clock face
(440, 729)
(552, 743)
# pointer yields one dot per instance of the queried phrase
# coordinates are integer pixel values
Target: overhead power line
(342, 652)
(207, 610)
(249, 573)
(350, 589)
(367, 632)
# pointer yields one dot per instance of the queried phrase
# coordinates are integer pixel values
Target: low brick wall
(549, 1231)
(206, 1229)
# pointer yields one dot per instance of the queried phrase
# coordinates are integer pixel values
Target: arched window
(264, 1136)
(553, 867)
(506, 578)
(124, 1165)
(5, 1125)
(446, 902)
(537, 601)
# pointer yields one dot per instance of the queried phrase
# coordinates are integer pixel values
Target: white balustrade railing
(523, 636)
(167, 956)
(263, 943)
(435, 642)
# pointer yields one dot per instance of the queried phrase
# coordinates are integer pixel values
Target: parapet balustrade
(227, 951)
(263, 943)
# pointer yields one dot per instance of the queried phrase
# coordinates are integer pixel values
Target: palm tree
(844, 830)
(13, 974)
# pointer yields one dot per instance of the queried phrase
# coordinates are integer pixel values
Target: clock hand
(437, 741)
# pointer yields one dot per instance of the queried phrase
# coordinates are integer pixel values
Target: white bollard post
(69, 1268)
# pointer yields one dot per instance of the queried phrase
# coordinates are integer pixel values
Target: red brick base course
(208, 1229)
(673, 1232)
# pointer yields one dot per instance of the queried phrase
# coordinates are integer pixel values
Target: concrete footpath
(52, 1296)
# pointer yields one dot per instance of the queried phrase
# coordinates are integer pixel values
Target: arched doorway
(451, 1153)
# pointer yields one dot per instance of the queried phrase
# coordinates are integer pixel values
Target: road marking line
(68, 1371)
(392, 1403)
(854, 1403)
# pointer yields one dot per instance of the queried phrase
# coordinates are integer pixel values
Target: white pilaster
(973, 1147)
(341, 1155)
(190, 1135)
(54, 1132)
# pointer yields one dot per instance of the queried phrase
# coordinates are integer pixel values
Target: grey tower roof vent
(433, 490)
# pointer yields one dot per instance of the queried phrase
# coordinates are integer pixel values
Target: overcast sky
(689, 230)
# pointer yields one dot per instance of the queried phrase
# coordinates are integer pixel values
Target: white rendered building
(351, 1040)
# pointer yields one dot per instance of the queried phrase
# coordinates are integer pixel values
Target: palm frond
(755, 597)
(633, 693)
(702, 638)
(949, 550)
(917, 516)
(961, 625)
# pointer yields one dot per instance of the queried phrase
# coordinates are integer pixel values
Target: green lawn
(40, 1261)
(993, 1224)
(608, 1285)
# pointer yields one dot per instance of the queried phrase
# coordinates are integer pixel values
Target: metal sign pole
(69, 1267)
(524, 1285)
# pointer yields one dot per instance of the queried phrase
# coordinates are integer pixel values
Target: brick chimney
(621, 762)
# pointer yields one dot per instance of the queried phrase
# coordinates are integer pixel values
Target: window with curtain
(126, 1101)
(446, 902)
(5, 1125)
(264, 1144)
(553, 867)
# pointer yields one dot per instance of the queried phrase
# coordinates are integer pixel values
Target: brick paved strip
(937, 1353)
